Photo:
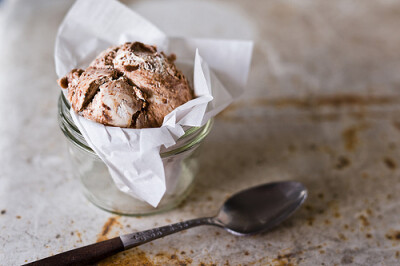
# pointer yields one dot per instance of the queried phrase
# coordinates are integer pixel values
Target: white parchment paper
(220, 69)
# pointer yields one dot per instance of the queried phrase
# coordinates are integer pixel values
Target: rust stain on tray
(396, 124)
(390, 163)
(139, 257)
(79, 235)
(364, 221)
(342, 163)
(320, 101)
(334, 100)
(393, 235)
(350, 136)
(284, 260)
(133, 257)
(108, 227)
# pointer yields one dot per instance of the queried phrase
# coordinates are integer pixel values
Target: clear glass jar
(180, 166)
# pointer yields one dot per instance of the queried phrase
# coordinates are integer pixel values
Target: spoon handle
(86, 255)
(93, 253)
(139, 238)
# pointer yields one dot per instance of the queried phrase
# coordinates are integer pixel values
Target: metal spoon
(251, 211)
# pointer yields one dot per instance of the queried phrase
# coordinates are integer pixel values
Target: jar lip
(68, 107)
(202, 132)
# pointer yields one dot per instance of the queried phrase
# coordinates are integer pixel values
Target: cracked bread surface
(131, 85)
(88, 84)
(115, 102)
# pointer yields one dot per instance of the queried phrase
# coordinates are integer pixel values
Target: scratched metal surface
(322, 107)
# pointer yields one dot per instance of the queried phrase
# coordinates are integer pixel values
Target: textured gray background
(321, 107)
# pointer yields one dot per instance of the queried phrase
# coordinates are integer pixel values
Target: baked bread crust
(131, 85)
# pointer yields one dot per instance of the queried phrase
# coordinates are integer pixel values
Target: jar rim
(66, 124)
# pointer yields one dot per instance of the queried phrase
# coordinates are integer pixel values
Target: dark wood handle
(86, 255)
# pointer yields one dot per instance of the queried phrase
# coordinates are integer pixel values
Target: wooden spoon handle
(86, 255)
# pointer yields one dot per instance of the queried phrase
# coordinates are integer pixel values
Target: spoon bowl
(260, 208)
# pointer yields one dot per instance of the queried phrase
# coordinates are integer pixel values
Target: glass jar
(180, 165)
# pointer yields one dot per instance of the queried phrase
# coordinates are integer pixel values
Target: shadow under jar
(180, 165)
